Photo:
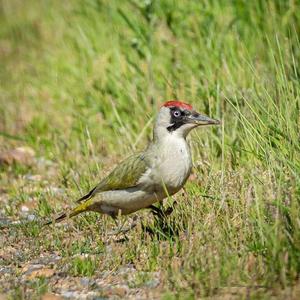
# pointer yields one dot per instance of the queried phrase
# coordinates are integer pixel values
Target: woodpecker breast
(175, 163)
(171, 165)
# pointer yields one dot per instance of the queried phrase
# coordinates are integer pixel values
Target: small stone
(5, 270)
(42, 273)
(15, 222)
(38, 271)
(51, 296)
(31, 217)
(85, 281)
(27, 268)
(24, 208)
(31, 177)
(21, 155)
(28, 206)
(69, 294)
(119, 291)
(78, 295)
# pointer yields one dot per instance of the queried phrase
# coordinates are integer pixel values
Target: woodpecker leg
(170, 209)
(156, 211)
(120, 229)
(162, 213)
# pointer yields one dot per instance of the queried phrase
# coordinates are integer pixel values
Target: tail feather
(58, 219)
(77, 210)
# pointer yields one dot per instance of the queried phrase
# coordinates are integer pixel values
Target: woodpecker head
(179, 118)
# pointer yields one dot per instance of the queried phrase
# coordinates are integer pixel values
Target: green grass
(81, 82)
(83, 267)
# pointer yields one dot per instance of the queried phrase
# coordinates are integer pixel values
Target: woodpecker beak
(201, 120)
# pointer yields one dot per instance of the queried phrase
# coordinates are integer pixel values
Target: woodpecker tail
(77, 210)
(60, 218)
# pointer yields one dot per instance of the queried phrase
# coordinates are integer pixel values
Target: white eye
(177, 113)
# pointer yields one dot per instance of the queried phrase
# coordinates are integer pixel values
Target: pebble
(31, 177)
(85, 281)
(21, 155)
(31, 217)
(79, 295)
(24, 208)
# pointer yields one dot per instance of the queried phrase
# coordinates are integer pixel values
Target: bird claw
(169, 210)
(156, 211)
(162, 213)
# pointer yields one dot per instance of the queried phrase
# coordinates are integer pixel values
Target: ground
(81, 82)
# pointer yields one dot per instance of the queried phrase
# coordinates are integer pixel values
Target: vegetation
(80, 84)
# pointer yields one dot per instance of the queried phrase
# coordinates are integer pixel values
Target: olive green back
(125, 175)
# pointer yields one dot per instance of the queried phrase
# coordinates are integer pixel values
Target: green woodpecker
(147, 177)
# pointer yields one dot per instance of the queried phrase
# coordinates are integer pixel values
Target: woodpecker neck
(159, 134)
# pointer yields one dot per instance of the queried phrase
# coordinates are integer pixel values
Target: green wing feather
(125, 175)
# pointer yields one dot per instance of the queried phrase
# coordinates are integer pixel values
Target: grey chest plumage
(171, 165)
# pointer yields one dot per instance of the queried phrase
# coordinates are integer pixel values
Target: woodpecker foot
(170, 209)
(162, 213)
(156, 211)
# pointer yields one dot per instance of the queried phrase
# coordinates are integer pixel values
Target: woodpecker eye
(177, 113)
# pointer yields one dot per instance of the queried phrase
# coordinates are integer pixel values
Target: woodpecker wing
(125, 175)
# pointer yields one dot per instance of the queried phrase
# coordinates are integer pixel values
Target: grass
(81, 83)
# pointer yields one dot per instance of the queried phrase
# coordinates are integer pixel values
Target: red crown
(178, 104)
